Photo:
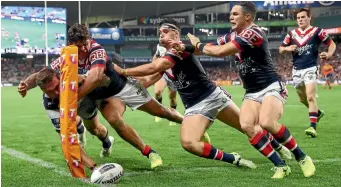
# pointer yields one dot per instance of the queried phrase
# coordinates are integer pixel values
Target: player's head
(48, 81)
(303, 17)
(242, 15)
(169, 30)
(78, 35)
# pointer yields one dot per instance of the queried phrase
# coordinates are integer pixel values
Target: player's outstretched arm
(227, 49)
(147, 81)
(27, 84)
(158, 65)
(92, 81)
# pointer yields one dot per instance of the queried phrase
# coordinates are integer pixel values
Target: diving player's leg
(136, 96)
(158, 90)
(112, 110)
(88, 111)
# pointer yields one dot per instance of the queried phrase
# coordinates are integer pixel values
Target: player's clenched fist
(22, 88)
(325, 56)
(291, 48)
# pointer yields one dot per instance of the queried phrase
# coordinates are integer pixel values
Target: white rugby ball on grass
(109, 173)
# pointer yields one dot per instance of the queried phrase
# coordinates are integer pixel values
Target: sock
(80, 127)
(284, 137)
(147, 150)
(106, 143)
(213, 153)
(274, 143)
(159, 99)
(174, 106)
(262, 143)
(313, 119)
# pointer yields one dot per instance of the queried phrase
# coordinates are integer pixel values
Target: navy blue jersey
(98, 57)
(307, 42)
(189, 78)
(254, 61)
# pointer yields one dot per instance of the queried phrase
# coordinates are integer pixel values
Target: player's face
(52, 88)
(83, 48)
(166, 35)
(237, 18)
(303, 20)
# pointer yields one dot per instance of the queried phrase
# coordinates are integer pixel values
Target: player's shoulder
(95, 46)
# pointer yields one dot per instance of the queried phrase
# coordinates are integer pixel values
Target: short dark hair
(307, 10)
(45, 76)
(78, 32)
(249, 8)
(170, 21)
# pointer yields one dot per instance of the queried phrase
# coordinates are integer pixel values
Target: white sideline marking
(22, 156)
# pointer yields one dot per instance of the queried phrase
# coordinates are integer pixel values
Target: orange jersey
(327, 69)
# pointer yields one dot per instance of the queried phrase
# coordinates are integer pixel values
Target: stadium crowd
(13, 70)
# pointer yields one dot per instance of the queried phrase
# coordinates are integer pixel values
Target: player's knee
(267, 123)
(311, 98)
(247, 128)
(188, 144)
(116, 122)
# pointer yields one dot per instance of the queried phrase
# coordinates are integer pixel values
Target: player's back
(189, 78)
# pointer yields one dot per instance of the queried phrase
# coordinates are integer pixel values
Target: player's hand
(81, 79)
(325, 56)
(194, 40)
(22, 88)
(177, 45)
(291, 48)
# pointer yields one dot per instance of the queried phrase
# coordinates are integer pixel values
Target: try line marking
(60, 171)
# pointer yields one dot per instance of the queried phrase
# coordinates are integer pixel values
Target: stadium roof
(117, 9)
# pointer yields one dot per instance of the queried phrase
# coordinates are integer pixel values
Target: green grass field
(32, 31)
(26, 128)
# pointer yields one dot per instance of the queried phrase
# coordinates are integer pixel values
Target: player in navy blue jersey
(303, 43)
(203, 100)
(265, 94)
(111, 98)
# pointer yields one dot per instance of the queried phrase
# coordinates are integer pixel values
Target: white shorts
(170, 83)
(54, 117)
(211, 105)
(134, 94)
(304, 76)
(276, 89)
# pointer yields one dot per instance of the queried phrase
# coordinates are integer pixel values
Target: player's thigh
(310, 90)
(270, 112)
(112, 110)
(160, 86)
(154, 108)
(92, 124)
(171, 94)
(301, 92)
(193, 128)
(249, 116)
(230, 116)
